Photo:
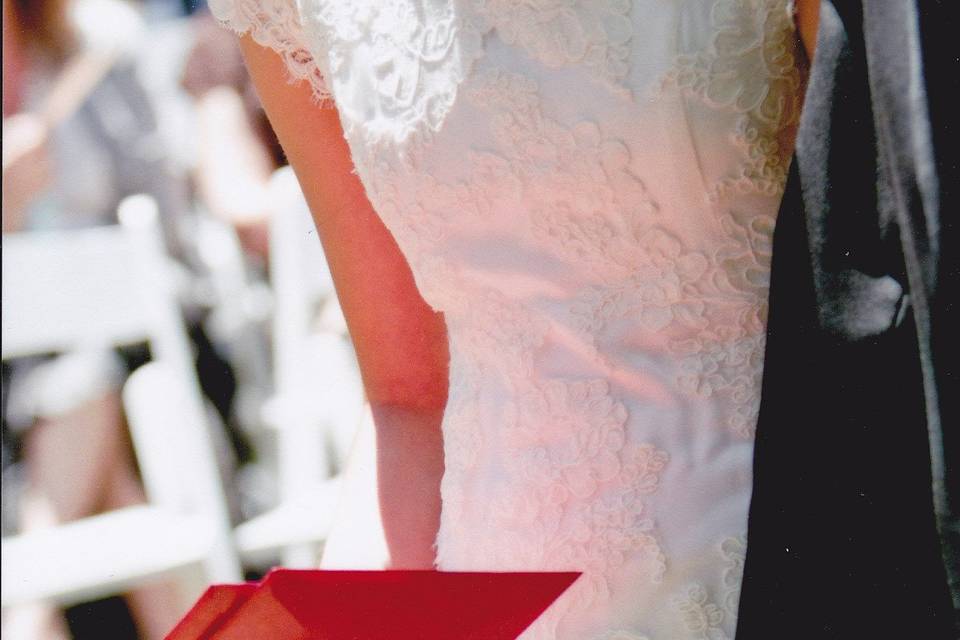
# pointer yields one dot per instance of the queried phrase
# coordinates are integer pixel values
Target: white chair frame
(99, 288)
(318, 402)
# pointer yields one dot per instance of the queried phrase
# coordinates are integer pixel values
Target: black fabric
(852, 529)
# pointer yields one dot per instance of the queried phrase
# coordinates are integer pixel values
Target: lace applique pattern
(727, 357)
(598, 498)
(703, 617)
(419, 52)
(275, 24)
(590, 479)
(588, 205)
(590, 209)
(662, 288)
(710, 307)
(572, 480)
(593, 33)
(716, 363)
(749, 67)
(711, 310)
(734, 551)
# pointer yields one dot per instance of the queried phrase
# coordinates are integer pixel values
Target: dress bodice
(587, 190)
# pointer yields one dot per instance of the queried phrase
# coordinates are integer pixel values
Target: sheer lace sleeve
(275, 24)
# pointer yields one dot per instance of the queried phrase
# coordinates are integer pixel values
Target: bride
(549, 223)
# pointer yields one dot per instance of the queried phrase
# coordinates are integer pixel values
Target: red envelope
(373, 605)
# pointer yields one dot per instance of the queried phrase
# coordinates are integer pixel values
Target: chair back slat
(64, 290)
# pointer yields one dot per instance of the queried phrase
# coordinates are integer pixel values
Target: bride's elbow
(416, 389)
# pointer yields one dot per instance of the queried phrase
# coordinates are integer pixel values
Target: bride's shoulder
(277, 25)
(396, 67)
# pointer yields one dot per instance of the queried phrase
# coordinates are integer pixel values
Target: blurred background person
(79, 136)
(237, 151)
(103, 99)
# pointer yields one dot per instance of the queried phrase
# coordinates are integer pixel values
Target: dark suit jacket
(853, 528)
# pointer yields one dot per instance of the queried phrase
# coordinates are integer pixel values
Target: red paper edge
(212, 610)
(200, 623)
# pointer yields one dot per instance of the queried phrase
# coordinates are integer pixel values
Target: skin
(401, 343)
(234, 168)
(807, 17)
(26, 166)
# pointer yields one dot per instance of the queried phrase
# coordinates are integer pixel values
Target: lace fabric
(587, 190)
(276, 24)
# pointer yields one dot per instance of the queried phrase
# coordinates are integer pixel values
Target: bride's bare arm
(401, 343)
(807, 19)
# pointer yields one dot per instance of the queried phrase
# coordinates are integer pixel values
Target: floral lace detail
(493, 331)
(744, 259)
(750, 67)
(716, 362)
(580, 502)
(728, 358)
(592, 33)
(275, 24)
(592, 210)
(734, 551)
(705, 619)
(416, 53)
(490, 338)
(578, 468)
(573, 478)
(710, 309)
(589, 205)
(663, 288)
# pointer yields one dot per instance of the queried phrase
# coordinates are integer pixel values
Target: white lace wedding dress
(587, 190)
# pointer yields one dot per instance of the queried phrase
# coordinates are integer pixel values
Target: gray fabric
(852, 301)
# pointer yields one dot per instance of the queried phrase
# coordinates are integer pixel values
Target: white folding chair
(99, 288)
(239, 312)
(318, 401)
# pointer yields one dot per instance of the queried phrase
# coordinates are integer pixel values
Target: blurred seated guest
(80, 110)
(237, 149)
(79, 136)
